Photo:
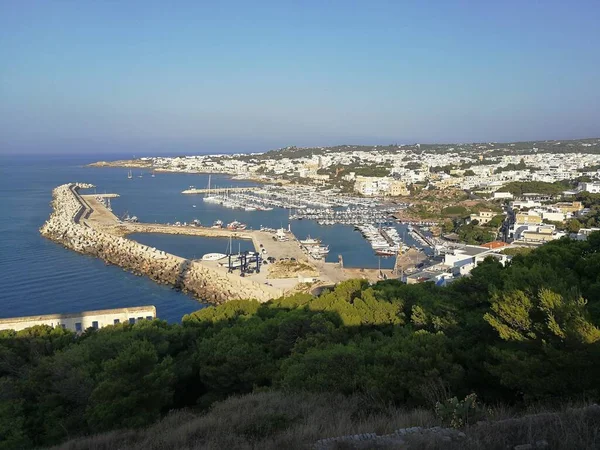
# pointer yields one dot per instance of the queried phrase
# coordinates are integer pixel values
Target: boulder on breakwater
(64, 226)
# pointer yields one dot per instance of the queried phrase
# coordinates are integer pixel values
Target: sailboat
(129, 174)
(210, 198)
(152, 174)
(140, 175)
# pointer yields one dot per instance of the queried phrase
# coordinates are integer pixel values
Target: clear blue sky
(194, 76)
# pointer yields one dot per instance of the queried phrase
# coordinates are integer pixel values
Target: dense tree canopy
(523, 333)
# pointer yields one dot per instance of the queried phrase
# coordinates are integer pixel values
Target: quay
(420, 236)
(84, 224)
(79, 227)
(220, 190)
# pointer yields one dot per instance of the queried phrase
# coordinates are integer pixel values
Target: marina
(153, 201)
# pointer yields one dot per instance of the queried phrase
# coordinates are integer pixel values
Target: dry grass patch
(291, 269)
(268, 420)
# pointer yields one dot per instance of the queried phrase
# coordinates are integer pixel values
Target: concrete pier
(220, 190)
(96, 231)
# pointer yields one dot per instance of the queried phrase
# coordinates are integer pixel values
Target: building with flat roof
(81, 321)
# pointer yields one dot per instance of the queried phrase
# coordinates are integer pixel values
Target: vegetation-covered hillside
(518, 335)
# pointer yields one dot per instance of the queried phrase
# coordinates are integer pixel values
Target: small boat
(310, 241)
(217, 224)
(129, 175)
(193, 206)
(130, 219)
(385, 252)
(235, 225)
(213, 256)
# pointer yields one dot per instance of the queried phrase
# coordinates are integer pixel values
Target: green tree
(133, 389)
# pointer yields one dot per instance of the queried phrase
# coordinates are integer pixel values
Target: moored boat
(213, 256)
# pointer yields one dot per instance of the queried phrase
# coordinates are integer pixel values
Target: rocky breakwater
(64, 226)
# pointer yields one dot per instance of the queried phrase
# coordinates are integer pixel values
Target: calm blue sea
(40, 277)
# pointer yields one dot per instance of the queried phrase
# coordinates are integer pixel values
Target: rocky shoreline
(67, 226)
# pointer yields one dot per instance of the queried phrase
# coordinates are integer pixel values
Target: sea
(38, 276)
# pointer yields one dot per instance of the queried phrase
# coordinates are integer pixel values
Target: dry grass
(268, 420)
(569, 429)
(291, 269)
(278, 420)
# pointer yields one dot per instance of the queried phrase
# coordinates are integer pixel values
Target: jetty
(220, 190)
(84, 224)
(96, 231)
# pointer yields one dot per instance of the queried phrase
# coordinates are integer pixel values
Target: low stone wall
(203, 282)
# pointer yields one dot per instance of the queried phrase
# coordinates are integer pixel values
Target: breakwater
(68, 225)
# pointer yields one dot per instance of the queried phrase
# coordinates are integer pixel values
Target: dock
(220, 190)
(85, 224)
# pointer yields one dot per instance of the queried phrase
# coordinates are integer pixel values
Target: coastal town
(462, 203)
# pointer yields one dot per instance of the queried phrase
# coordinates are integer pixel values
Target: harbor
(277, 262)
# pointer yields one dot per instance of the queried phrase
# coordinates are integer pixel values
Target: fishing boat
(310, 241)
(130, 219)
(235, 225)
(213, 256)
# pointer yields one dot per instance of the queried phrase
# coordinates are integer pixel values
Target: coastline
(139, 164)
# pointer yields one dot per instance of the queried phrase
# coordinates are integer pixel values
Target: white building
(79, 322)
(592, 188)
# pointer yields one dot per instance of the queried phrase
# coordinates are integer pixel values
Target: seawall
(67, 226)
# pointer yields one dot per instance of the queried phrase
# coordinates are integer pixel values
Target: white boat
(310, 241)
(235, 225)
(213, 256)
(129, 175)
(217, 224)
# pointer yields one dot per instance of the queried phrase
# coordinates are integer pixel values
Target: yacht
(131, 219)
(310, 241)
(213, 256)
(235, 225)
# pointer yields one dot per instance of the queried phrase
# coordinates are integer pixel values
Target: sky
(151, 77)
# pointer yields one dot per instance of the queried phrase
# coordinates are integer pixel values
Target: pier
(86, 226)
(220, 190)
(83, 223)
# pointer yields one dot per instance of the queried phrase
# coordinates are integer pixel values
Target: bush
(459, 413)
